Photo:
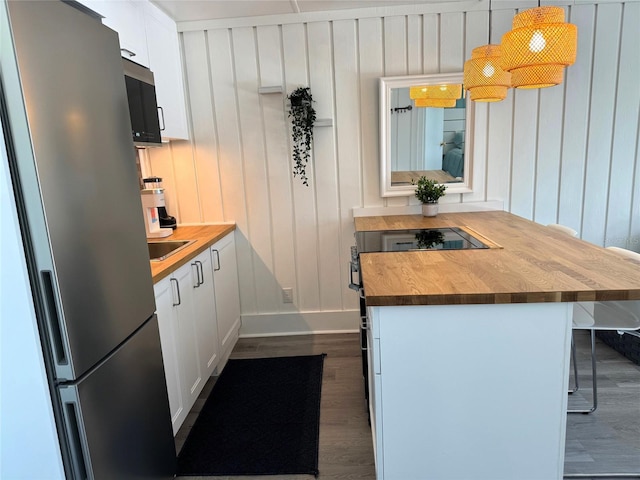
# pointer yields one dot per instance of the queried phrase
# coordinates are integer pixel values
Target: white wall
(567, 154)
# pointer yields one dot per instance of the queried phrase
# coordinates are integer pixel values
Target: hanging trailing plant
(302, 117)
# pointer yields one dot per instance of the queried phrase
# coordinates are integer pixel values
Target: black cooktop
(407, 240)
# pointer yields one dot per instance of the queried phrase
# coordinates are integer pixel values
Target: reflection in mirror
(417, 141)
(426, 141)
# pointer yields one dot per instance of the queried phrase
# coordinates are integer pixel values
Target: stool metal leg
(595, 382)
(575, 366)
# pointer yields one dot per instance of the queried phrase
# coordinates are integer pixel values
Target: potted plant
(429, 192)
(302, 117)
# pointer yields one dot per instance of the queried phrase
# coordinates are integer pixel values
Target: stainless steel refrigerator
(72, 162)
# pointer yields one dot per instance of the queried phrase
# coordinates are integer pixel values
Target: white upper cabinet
(149, 37)
(127, 18)
(165, 63)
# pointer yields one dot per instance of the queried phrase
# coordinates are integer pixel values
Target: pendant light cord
(489, 42)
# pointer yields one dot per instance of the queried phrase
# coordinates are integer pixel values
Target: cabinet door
(167, 322)
(165, 62)
(185, 281)
(205, 315)
(225, 276)
(127, 18)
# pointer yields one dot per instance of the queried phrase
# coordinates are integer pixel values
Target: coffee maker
(166, 220)
(157, 222)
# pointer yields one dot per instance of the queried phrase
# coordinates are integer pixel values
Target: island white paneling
(568, 154)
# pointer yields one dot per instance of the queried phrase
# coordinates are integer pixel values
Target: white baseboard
(299, 323)
(417, 209)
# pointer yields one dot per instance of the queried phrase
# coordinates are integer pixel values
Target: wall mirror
(417, 141)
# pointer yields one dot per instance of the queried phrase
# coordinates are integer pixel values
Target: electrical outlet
(287, 295)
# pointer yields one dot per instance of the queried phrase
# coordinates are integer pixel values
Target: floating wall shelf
(273, 89)
(324, 122)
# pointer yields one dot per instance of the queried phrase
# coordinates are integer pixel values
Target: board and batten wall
(567, 154)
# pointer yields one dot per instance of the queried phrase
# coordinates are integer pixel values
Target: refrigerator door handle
(72, 424)
(53, 318)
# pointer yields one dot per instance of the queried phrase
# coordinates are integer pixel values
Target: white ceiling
(187, 10)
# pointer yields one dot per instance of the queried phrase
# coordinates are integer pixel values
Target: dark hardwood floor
(605, 441)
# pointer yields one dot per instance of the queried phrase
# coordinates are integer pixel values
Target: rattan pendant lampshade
(435, 102)
(484, 77)
(538, 47)
(440, 92)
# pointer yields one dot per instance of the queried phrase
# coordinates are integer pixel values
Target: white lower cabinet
(175, 308)
(225, 276)
(198, 311)
(205, 314)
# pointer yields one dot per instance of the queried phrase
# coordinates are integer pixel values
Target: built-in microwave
(143, 106)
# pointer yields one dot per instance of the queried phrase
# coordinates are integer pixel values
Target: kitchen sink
(160, 250)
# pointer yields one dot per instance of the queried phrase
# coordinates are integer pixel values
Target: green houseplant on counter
(429, 192)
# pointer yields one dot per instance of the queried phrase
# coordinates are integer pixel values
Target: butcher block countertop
(534, 264)
(204, 236)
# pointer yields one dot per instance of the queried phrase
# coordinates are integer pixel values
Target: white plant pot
(429, 209)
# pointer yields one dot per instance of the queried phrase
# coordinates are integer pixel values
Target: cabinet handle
(178, 291)
(194, 264)
(201, 272)
(129, 53)
(215, 269)
(164, 125)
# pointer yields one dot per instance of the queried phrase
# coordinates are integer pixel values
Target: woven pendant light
(442, 92)
(538, 47)
(435, 102)
(483, 75)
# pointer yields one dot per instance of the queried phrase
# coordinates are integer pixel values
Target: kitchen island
(469, 349)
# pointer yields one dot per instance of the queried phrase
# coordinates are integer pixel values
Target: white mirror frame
(388, 83)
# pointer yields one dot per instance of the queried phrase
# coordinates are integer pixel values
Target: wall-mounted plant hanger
(303, 118)
(271, 89)
(324, 122)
